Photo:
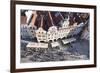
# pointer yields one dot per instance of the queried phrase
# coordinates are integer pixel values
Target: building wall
(41, 35)
(53, 33)
(23, 19)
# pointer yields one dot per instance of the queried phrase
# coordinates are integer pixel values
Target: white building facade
(41, 35)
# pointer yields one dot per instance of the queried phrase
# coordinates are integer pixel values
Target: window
(39, 35)
(43, 36)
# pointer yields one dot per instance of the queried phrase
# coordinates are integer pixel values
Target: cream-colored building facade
(41, 35)
(54, 33)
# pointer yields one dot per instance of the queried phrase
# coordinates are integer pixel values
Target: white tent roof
(54, 44)
(37, 45)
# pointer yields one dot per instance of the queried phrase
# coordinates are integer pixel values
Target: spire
(61, 16)
(51, 18)
(41, 21)
(68, 17)
(34, 17)
(29, 16)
